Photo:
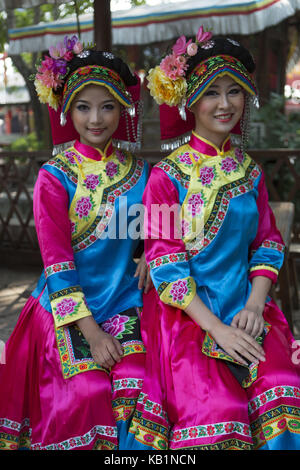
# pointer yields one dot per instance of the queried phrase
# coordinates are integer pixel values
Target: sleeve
(267, 249)
(53, 227)
(164, 249)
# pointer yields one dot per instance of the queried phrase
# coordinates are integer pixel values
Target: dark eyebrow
(88, 102)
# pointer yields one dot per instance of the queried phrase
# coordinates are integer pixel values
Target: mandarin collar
(93, 152)
(204, 146)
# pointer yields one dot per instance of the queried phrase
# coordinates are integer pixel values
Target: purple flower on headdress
(60, 66)
(70, 42)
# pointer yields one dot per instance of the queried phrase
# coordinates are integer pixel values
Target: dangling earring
(63, 119)
(245, 124)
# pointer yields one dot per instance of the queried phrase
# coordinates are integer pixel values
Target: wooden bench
(287, 282)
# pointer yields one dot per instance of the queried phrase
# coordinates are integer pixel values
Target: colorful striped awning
(147, 24)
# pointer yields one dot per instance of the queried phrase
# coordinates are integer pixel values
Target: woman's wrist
(89, 328)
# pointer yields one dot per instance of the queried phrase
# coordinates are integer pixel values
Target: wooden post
(102, 25)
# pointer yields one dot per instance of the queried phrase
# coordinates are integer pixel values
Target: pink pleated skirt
(50, 400)
(190, 398)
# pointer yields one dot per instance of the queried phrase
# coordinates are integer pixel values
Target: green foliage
(282, 129)
(27, 143)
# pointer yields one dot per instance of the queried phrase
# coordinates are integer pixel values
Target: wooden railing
(18, 172)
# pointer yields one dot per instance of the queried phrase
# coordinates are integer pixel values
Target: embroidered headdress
(70, 67)
(183, 76)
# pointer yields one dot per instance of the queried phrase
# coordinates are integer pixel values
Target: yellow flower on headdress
(165, 90)
(46, 95)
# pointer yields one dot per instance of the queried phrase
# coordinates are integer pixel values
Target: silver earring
(63, 119)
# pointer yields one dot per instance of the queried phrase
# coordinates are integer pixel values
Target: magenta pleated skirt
(192, 400)
(49, 400)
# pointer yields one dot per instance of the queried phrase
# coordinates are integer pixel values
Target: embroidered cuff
(68, 305)
(264, 270)
(179, 293)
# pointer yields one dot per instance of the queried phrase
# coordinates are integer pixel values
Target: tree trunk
(102, 25)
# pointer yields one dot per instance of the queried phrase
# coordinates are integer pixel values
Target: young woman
(75, 362)
(219, 369)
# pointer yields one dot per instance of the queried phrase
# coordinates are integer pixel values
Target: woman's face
(95, 114)
(219, 110)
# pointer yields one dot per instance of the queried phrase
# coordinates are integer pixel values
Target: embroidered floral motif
(55, 268)
(239, 155)
(127, 384)
(170, 167)
(66, 307)
(109, 432)
(180, 289)
(83, 207)
(110, 195)
(111, 169)
(172, 258)
(186, 159)
(70, 156)
(119, 325)
(64, 168)
(228, 165)
(273, 245)
(92, 181)
(219, 211)
(120, 156)
(207, 175)
(271, 395)
(195, 204)
(73, 227)
(185, 227)
(204, 431)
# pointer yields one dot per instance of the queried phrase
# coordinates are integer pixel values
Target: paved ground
(17, 283)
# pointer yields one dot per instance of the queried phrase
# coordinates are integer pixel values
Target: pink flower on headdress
(47, 64)
(192, 49)
(49, 79)
(202, 36)
(58, 51)
(173, 66)
(78, 47)
(181, 45)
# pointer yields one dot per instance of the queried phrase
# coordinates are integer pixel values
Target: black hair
(222, 45)
(105, 59)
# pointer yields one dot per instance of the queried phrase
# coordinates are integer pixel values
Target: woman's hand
(143, 272)
(105, 349)
(238, 344)
(250, 320)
